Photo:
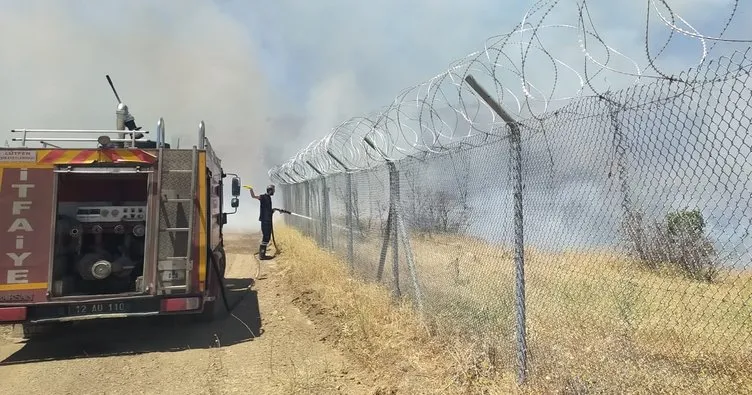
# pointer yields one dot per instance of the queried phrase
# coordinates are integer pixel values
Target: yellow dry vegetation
(596, 322)
(386, 336)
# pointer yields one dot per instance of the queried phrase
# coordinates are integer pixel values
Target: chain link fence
(635, 219)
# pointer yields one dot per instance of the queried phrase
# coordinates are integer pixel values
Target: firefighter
(265, 217)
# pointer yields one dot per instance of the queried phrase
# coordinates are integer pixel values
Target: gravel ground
(267, 346)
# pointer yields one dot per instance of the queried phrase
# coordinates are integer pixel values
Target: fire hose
(220, 278)
(274, 241)
(229, 308)
(215, 264)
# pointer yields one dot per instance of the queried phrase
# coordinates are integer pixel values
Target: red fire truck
(127, 227)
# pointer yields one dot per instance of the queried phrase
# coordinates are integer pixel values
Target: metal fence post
(632, 220)
(515, 146)
(299, 198)
(297, 204)
(402, 234)
(307, 187)
(327, 240)
(515, 140)
(349, 220)
(393, 202)
(328, 231)
(621, 153)
(384, 246)
(324, 213)
(316, 207)
(286, 194)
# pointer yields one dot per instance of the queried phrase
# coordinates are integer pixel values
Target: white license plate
(99, 308)
(173, 275)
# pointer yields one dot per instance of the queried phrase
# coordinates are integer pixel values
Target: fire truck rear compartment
(99, 233)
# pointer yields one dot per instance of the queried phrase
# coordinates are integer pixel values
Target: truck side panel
(201, 223)
(176, 215)
(27, 226)
(215, 196)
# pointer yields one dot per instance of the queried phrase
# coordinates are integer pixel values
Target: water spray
(273, 239)
(301, 216)
(310, 218)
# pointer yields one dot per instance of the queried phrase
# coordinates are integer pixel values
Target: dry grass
(596, 322)
(386, 337)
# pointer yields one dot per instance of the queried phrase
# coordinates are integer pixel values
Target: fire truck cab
(128, 227)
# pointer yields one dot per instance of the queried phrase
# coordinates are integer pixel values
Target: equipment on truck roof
(124, 121)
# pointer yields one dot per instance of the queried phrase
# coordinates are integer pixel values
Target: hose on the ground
(229, 309)
(274, 241)
(221, 280)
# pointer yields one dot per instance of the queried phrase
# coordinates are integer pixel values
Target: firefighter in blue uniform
(265, 217)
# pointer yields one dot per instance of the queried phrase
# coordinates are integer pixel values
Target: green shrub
(678, 242)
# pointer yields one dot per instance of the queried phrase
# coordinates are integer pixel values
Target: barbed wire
(444, 110)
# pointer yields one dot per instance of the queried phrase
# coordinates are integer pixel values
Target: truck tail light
(180, 304)
(12, 314)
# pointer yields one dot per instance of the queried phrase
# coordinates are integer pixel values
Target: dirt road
(267, 347)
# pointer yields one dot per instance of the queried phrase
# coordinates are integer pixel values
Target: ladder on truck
(177, 186)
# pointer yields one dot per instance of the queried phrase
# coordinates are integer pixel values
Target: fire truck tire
(217, 275)
(209, 312)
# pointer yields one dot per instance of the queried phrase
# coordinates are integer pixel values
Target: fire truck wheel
(209, 313)
(211, 309)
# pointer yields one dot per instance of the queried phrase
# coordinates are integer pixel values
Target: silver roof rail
(68, 132)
